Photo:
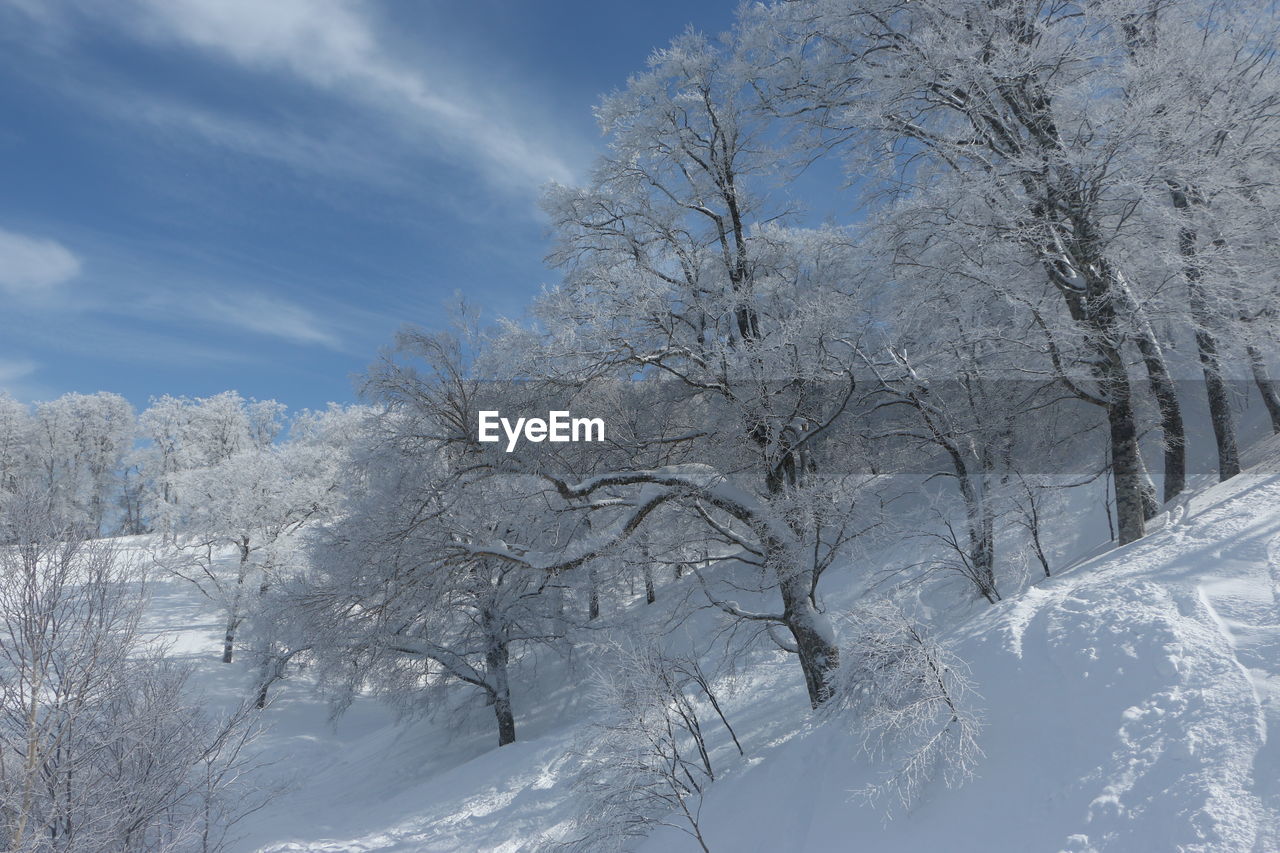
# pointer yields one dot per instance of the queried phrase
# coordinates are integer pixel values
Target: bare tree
(395, 601)
(906, 697)
(647, 762)
(102, 747)
(999, 104)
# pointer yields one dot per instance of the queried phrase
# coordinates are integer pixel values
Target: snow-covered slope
(1131, 703)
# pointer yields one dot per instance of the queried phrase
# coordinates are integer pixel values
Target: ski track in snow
(1243, 595)
(1187, 625)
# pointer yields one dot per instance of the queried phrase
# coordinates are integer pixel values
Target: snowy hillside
(1127, 706)
(1130, 703)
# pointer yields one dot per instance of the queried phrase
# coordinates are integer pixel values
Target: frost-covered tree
(183, 433)
(248, 502)
(163, 425)
(335, 430)
(959, 393)
(393, 600)
(102, 745)
(907, 698)
(958, 419)
(132, 499)
(677, 266)
(646, 762)
(77, 444)
(16, 428)
(1203, 87)
(1010, 120)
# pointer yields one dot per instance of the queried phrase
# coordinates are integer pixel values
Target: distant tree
(16, 434)
(248, 502)
(78, 443)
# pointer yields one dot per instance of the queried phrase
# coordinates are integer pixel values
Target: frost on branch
(906, 697)
(104, 747)
(647, 761)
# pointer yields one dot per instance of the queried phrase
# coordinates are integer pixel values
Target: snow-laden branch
(658, 486)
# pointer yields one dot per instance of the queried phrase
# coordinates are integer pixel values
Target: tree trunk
(1171, 423)
(1031, 520)
(1097, 311)
(1126, 460)
(496, 659)
(593, 596)
(982, 548)
(233, 610)
(815, 647)
(814, 640)
(650, 595)
(1224, 429)
(272, 670)
(982, 534)
(506, 721)
(1150, 503)
(1270, 395)
(229, 640)
(977, 507)
(593, 588)
(1038, 547)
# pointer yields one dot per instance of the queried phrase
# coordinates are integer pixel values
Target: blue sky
(198, 195)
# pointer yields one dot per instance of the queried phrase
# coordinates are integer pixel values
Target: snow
(1130, 703)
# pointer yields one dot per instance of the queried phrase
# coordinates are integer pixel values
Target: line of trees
(114, 471)
(1069, 200)
(1064, 209)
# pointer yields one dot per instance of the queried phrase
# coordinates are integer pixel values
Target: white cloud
(11, 370)
(330, 45)
(336, 154)
(15, 380)
(272, 317)
(34, 264)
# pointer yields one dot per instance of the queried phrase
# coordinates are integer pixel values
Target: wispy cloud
(14, 379)
(265, 315)
(335, 154)
(334, 46)
(276, 184)
(11, 370)
(34, 264)
(141, 290)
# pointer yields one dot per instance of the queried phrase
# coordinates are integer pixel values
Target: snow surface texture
(1131, 703)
